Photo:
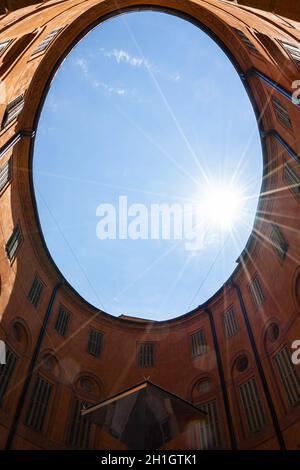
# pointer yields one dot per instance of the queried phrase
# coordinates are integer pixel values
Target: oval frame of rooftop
(200, 347)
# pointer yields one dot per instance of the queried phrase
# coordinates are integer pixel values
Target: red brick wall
(174, 368)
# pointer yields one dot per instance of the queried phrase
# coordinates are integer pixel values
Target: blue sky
(144, 106)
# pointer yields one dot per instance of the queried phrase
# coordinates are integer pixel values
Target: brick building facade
(231, 356)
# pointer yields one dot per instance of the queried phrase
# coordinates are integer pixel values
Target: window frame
(19, 240)
(247, 42)
(142, 364)
(38, 51)
(224, 320)
(281, 249)
(282, 114)
(18, 103)
(101, 336)
(8, 44)
(7, 180)
(257, 304)
(40, 291)
(203, 347)
(66, 325)
(47, 414)
(288, 169)
(245, 416)
(76, 399)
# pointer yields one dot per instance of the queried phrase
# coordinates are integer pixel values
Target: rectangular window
(47, 41)
(282, 113)
(62, 321)
(94, 344)
(4, 45)
(229, 323)
(252, 406)
(293, 50)
(278, 242)
(13, 110)
(198, 343)
(79, 435)
(5, 174)
(257, 292)
(14, 243)
(292, 179)
(145, 355)
(246, 41)
(207, 434)
(289, 376)
(38, 405)
(6, 371)
(35, 292)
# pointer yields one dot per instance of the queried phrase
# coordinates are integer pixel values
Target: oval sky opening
(147, 166)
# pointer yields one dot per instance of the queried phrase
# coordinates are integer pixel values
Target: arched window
(87, 392)
(206, 434)
(252, 405)
(248, 396)
(288, 375)
(280, 358)
(19, 335)
(43, 393)
(80, 427)
(39, 403)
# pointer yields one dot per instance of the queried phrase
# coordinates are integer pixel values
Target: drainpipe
(259, 366)
(222, 379)
(31, 368)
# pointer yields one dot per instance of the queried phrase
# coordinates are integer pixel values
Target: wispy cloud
(122, 56)
(175, 77)
(84, 67)
(119, 55)
(109, 88)
(82, 64)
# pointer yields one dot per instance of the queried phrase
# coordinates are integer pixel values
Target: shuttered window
(79, 434)
(6, 371)
(13, 110)
(246, 41)
(252, 406)
(293, 50)
(62, 321)
(282, 113)
(35, 292)
(47, 41)
(145, 355)
(14, 243)
(257, 292)
(207, 433)
(278, 242)
(5, 174)
(38, 405)
(198, 343)
(94, 344)
(292, 179)
(289, 376)
(229, 323)
(4, 45)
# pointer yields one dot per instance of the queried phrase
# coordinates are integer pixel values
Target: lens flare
(223, 207)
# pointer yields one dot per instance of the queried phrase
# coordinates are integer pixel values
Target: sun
(223, 206)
